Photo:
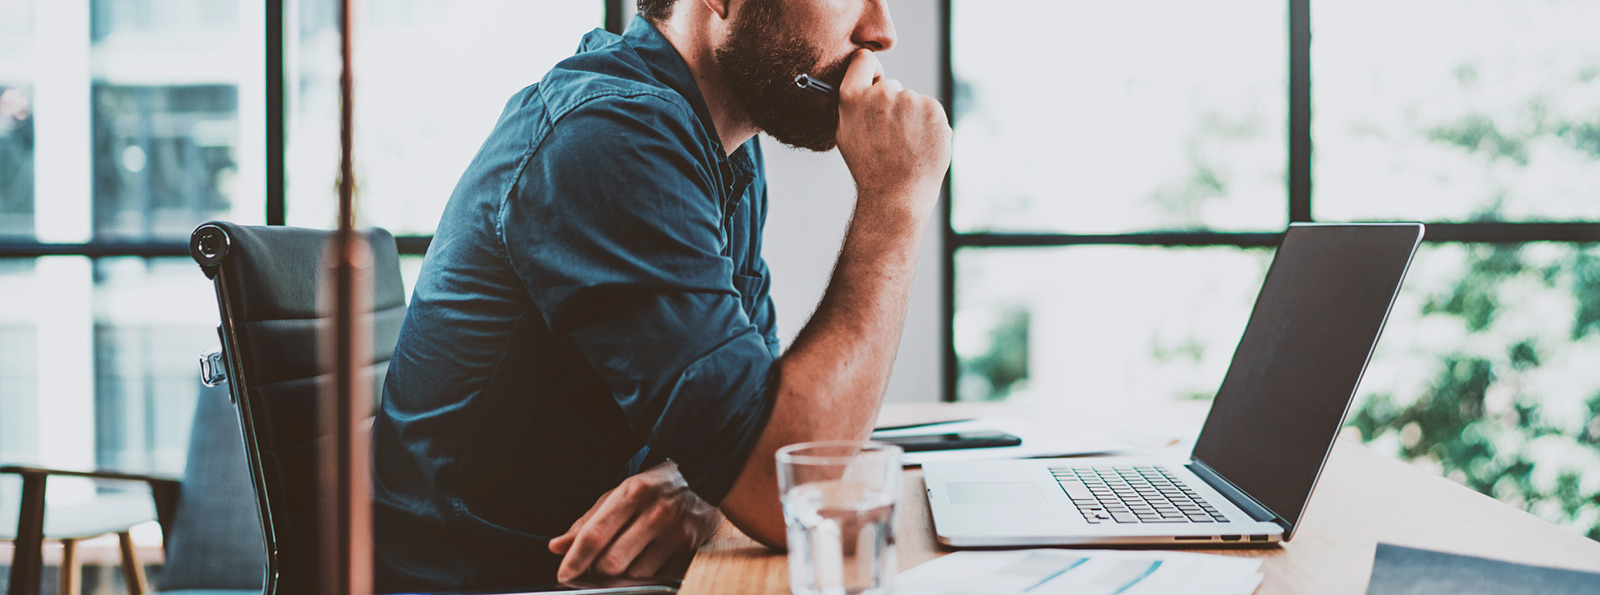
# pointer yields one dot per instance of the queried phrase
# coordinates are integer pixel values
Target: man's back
(593, 302)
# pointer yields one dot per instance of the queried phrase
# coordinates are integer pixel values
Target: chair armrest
(99, 474)
(164, 490)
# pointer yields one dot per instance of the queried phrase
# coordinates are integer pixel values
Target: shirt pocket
(749, 289)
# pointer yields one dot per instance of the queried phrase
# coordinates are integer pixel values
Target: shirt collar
(668, 66)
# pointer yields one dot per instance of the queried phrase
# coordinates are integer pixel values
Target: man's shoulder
(609, 79)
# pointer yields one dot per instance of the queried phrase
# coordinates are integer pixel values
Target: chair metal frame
(209, 245)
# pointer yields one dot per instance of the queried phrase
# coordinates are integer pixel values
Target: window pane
(16, 161)
(152, 320)
(432, 78)
(164, 159)
(1487, 373)
(1121, 116)
(177, 120)
(120, 120)
(16, 119)
(1101, 322)
(19, 363)
(113, 343)
(1452, 111)
(154, 119)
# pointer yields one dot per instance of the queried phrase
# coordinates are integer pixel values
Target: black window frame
(1299, 198)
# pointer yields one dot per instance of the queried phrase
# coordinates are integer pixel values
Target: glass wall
(433, 79)
(16, 119)
(1487, 375)
(1136, 324)
(1125, 116)
(19, 362)
(16, 161)
(125, 121)
(1481, 112)
(124, 124)
(1446, 110)
(1172, 117)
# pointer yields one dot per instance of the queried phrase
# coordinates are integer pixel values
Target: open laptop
(1270, 429)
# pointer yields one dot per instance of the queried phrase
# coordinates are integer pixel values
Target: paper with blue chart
(1081, 572)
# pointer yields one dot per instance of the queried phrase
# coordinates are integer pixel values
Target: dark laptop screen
(1302, 354)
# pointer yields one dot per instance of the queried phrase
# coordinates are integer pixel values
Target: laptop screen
(1301, 357)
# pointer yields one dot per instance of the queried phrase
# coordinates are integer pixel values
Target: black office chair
(266, 280)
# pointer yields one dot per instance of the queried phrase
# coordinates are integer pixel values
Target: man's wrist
(893, 209)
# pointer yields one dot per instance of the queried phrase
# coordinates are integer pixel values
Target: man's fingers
(622, 551)
(563, 542)
(608, 519)
(863, 71)
(650, 561)
(893, 85)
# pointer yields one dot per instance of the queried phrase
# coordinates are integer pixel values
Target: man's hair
(656, 11)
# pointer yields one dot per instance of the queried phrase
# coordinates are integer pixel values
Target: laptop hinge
(1249, 505)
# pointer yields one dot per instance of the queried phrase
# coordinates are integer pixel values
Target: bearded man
(589, 377)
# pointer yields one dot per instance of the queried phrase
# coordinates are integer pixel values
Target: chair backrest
(267, 281)
(214, 542)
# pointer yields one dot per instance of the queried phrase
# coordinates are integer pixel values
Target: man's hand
(637, 528)
(895, 142)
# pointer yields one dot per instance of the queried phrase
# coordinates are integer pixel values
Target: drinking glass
(838, 503)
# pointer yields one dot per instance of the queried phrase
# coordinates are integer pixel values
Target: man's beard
(759, 62)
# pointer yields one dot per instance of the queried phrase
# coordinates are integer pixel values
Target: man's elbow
(754, 505)
(769, 532)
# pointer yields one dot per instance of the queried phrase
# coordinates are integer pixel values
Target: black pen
(815, 85)
(922, 425)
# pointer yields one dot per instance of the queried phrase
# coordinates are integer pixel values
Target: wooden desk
(1363, 498)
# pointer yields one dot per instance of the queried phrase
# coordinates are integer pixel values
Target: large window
(1127, 116)
(124, 124)
(433, 77)
(1117, 179)
(1448, 110)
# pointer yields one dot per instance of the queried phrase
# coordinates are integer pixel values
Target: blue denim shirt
(594, 301)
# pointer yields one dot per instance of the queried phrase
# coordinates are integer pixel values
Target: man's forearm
(835, 374)
(831, 381)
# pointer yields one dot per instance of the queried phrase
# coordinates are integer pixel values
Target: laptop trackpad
(994, 492)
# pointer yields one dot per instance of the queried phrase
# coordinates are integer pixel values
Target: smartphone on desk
(952, 440)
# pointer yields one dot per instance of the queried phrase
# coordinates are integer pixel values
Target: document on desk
(1040, 438)
(1081, 572)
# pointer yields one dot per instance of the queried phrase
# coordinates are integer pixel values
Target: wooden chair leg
(132, 569)
(27, 557)
(71, 568)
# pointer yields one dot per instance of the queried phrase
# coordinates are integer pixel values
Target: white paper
(1081, 572)
(1040, 438)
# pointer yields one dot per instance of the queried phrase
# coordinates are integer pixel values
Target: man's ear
(720, 7)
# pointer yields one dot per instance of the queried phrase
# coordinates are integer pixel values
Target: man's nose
(875, 31)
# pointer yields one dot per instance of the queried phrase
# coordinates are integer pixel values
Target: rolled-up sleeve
(616, 228)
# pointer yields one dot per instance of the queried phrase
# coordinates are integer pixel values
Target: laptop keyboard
(1134, 494)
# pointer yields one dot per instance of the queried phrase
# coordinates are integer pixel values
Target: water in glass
(841, 538)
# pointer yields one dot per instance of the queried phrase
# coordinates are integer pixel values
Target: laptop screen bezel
(1289, 527)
